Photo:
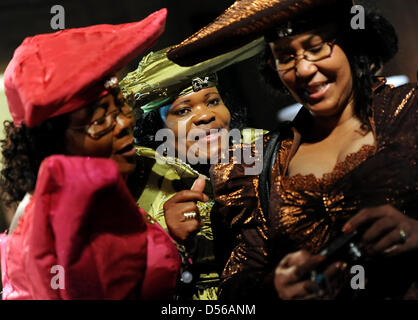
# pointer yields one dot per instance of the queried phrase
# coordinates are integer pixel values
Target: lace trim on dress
(311, 182)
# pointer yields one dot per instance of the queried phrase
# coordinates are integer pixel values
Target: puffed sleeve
(87, 238)
(240, 227)
(395, 114)
(395, 120)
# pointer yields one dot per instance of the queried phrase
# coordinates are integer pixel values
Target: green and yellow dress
(163, 182)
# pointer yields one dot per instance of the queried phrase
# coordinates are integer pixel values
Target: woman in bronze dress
(346, 163)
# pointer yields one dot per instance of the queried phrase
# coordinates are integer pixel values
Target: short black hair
(23, 150)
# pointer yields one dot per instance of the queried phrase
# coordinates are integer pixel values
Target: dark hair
(147, 125)
(23, 150)
(367, 50)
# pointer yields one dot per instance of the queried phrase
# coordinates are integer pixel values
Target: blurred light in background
(397, 80)
(289, 112)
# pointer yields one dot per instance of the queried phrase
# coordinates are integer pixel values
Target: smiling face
(202, 114)
(116, 144)
(325, 87)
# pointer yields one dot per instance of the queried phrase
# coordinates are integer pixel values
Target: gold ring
(189, 215)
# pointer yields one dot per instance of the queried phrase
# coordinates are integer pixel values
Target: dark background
(22, 18)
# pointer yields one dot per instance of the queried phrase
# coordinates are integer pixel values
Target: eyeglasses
(107, 123)
(286, 62)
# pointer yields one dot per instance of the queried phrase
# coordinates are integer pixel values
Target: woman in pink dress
(77, 233)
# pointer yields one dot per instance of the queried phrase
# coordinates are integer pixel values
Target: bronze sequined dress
(306, 212)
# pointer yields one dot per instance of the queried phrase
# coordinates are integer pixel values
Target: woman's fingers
(328, 283)
(180, 226)
(400, 240)
(304, 270)
(362, 217)
(390, 231)
(188, 207)
(296, 265)
(285, 273)
(188, 195)
(334, 269)
(378, 229)
(335, 276)
(290, 286)
(199, 185)
(390, 239)
(303, 290)
(287, 285)
(292, 275)
(181, 212)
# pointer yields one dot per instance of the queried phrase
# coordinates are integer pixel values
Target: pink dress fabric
(83, 220)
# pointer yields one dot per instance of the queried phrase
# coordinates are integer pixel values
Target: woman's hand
(293, 277)
(387, 230)
(184, 202)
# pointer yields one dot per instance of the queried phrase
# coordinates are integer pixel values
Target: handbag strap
(269, 159)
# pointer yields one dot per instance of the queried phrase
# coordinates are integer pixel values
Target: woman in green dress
(179, 102)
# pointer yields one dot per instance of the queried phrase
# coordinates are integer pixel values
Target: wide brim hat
(157, 80)
(246, 20)
(57, 73)
(242, 22)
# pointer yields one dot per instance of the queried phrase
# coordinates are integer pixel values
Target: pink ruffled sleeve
(86, 230)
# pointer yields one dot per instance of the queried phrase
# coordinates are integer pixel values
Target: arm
(240, 229)
(85, 221)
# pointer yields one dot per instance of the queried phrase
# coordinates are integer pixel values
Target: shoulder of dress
(390, 91)
(243, 159)
(389, 101)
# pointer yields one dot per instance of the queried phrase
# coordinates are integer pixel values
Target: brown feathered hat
(241, 23)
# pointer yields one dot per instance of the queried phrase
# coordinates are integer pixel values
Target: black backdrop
(21, 18)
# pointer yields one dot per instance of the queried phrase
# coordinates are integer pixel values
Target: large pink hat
(56, 73)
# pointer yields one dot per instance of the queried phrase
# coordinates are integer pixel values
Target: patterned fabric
(307, 212)
(158, 81)
(163, 182)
